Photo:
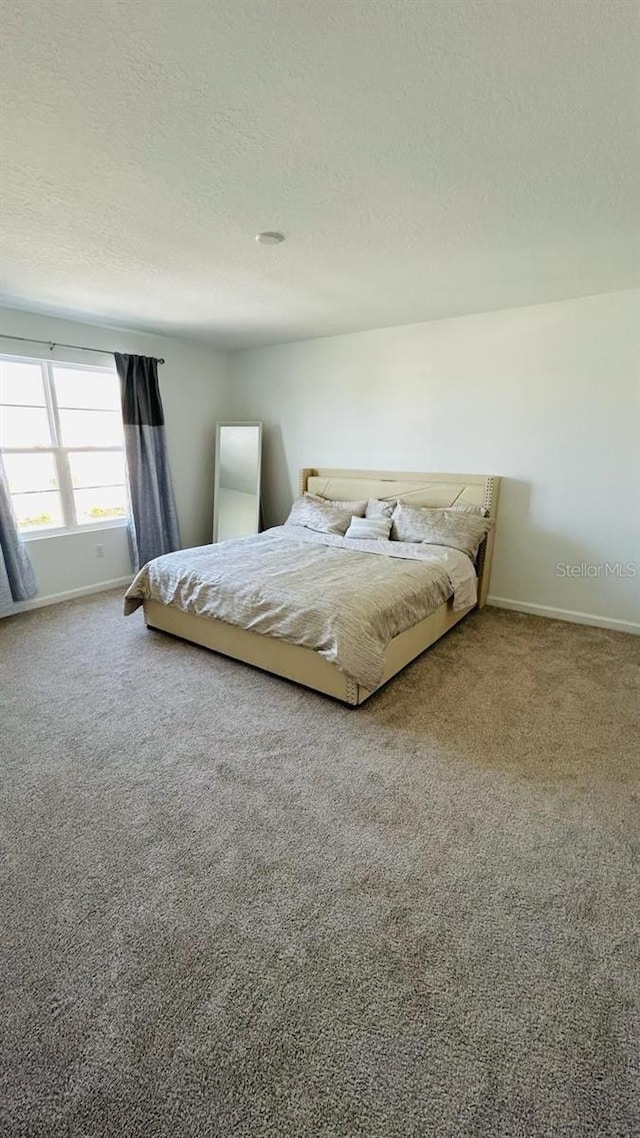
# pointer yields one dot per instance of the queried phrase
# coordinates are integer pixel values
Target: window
(62, 442)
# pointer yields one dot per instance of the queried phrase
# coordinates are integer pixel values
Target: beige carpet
(233, 907)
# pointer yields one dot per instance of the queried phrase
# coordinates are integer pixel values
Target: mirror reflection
(236, 511)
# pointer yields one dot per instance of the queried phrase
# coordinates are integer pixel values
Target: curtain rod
(51, 344)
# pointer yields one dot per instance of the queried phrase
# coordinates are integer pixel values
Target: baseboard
(57, 598)
(565, 614)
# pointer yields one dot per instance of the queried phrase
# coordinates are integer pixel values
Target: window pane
(102, 503)
(91, 428)
(21, 383)
(91, 389)
(91, 468)
(24, 427)
(30, 472)
(38, 511)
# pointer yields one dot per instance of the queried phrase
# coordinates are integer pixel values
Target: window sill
(93, 527)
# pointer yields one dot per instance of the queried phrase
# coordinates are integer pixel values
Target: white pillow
(377, 529)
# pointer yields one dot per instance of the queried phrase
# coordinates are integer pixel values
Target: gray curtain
(17, 579)
(154, 522)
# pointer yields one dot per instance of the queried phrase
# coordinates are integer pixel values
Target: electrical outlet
(99, 550)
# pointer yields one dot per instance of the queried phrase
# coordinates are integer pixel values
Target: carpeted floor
(233, 907)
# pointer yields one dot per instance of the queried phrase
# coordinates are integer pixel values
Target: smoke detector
(270, 238)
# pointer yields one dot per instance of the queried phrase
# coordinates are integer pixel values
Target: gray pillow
(357, 508)
(466, 508)
(319, 515)
(378, 508)
(377, 529)
(454, 528)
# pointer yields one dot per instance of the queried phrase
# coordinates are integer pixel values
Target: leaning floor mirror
(236, 503)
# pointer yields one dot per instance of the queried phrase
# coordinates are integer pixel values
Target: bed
(306, 665)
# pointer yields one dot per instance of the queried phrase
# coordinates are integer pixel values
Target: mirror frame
(216, 471)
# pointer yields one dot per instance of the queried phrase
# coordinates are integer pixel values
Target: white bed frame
(303, 665)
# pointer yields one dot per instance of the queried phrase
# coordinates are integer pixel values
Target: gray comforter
(344, 599)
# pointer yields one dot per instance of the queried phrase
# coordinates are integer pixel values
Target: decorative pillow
(376, 528)
(378, 508)
(319, 515)
(454, 528)
(357, 508)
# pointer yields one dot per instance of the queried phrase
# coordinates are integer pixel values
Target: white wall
(193, 385)
(546, 396)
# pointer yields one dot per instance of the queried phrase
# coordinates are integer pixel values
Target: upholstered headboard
(435, 490)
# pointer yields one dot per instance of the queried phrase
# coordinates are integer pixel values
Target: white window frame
(60, 452)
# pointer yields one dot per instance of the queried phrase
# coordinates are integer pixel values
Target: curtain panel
(153, 520)
(17, 579)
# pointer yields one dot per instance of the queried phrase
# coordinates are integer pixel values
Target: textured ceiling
(425, 158)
